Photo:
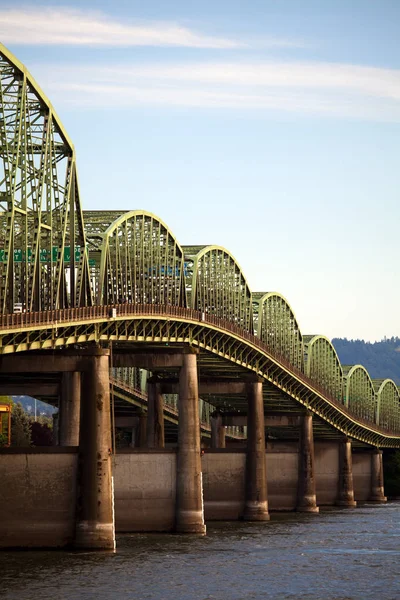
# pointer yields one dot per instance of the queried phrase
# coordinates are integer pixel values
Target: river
(336, 555)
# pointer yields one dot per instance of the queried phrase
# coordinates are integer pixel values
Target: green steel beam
(39, 200)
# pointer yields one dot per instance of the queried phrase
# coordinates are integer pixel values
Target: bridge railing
(95, 313)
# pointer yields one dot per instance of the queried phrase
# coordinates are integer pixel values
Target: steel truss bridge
(82, 277)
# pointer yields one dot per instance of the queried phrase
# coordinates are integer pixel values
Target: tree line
(25, 430)
(381, 359)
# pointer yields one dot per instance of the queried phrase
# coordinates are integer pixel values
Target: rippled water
(336, 555)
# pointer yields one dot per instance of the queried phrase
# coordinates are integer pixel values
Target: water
(336, 555)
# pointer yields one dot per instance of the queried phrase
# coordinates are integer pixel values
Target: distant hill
(28, 403)
(381, 359)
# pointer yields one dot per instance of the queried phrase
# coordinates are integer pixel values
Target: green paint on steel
(276, 325)
(322, 364)
(139, 261)
(360, 396)
(39, 200)
(388, 409)
(216, 285)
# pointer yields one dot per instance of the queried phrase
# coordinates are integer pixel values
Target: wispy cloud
(36, 25)
(309, 88)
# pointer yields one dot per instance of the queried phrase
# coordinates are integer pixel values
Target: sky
(269, 127)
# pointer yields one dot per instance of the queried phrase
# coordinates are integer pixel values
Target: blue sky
(269, 127)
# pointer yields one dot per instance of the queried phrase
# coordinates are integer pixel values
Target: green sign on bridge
(44, 255)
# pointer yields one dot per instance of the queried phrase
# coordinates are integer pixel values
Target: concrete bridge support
(155, 416)
(377, 487)
(256, 500)
(95, 515)
(306, 496)
(141, 437)
(56, 418)
(69, 409)
(217, 432)
(189, 483)
(346, 486)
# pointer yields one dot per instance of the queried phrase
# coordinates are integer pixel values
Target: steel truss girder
(276, 325)
(232, 348)
(40, 214)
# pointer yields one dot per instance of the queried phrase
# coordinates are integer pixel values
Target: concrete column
(133, 437)
(377, 488)
(142, 430)
(346, 488)
(155, 416)
(95, 515)
(217, 432)
(256, 501)
(55, 428)
(189, 482)
(69, 409)
(306, 496)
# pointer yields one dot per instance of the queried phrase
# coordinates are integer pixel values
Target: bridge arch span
(43, 257)
(360, 396)
(276, 325)
(141, 262)
(217, 285)
(388, 401)
(322, 364)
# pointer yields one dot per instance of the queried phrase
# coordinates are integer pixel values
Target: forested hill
(381, 359)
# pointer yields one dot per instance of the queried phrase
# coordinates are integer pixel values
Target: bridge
(89, 298)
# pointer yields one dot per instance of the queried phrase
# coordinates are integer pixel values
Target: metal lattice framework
(222, 345)
(388, 411)
(216, 285)
(43, 259)
(54, 259)
(136, 259)
(360, 395)
(276, 325)
(322, 364)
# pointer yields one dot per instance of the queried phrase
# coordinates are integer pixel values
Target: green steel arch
(217, 285)
(360, 396)
(43, 257)
(322, 364)
(388, 404)
(140, 262)
(276, 325)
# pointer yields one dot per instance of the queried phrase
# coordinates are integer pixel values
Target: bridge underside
(127, 402)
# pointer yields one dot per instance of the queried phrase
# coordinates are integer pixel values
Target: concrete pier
(377, 487)
(346, 486)
(256, 499)
(306, 496)
(141, 441)
(95, 515)
(56, 418)
(69, 409)
(189, 483)
(155, 416)
(217, 432)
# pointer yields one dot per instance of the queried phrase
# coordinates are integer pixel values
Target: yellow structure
(5, 422)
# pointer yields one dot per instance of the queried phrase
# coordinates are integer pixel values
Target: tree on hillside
(20, 427)
(381, 359)
(42, 431)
